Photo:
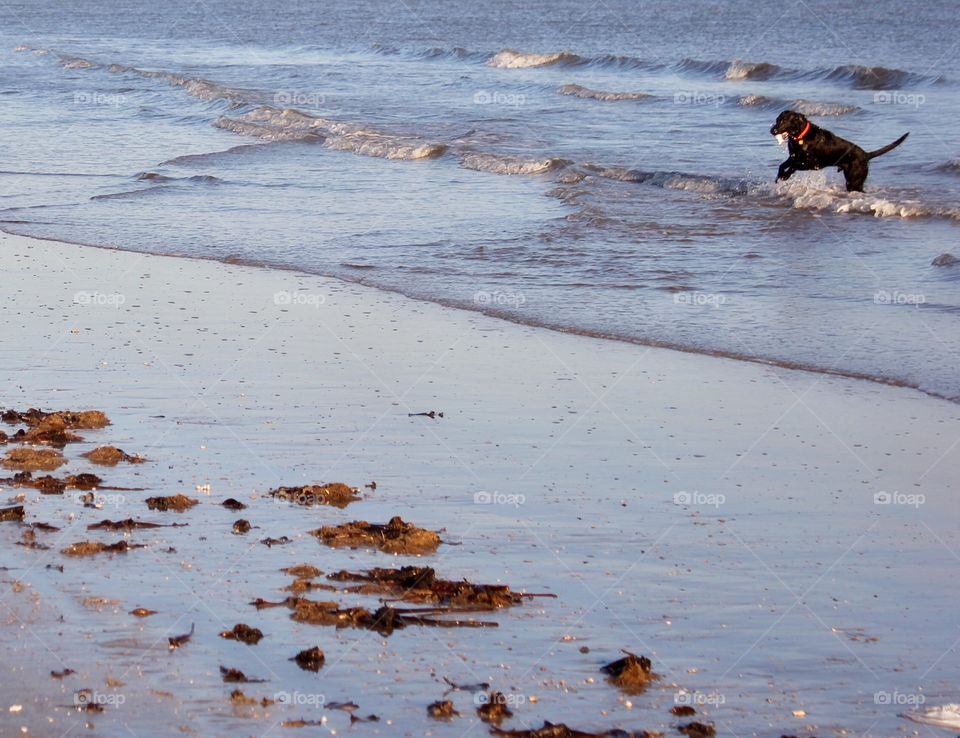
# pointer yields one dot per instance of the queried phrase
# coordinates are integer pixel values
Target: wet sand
(781, 545)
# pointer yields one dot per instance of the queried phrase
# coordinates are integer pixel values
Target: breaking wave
(512, 59)
(587, 94)
(501, 164)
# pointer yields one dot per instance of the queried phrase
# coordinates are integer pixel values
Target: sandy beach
(781, 544)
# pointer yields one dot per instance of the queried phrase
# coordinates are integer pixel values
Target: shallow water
(603, 169)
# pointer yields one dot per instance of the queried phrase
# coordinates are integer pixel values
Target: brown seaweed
(335, 494)
(11, 514)
(396, 537)
(559, 730)
(232, 504)
(310, 659)
(235, 676)
(632, 673)
(91, 548)
(181, 640)
(176, 503)
(33, 459)
(111, 456)
(697, 730)
(128, 524)
(244, 633)
(494, 709)
(442, 710)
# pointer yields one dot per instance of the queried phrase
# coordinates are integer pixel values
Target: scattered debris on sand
(241, 527)
(127, 525)
(384, 620)
(281, 541)
(79, 420)
(8, 514)
(697, 730)
(420, 584)
(302, 571)
(683, 710)
(433, 415)
(61, 674)
(235, 676)
(50, 485)
(310, 659)
(142, 612)
(559, 730)
(396, 537)
(181, 640)
(442, 710)
(176, 503)
(335, 494)
(111, 456)
(494, 709)
(454, 687)
(91, 548)
(33, 459)
(632, 673)
(237, 697)
(243, 632)
(232, 504)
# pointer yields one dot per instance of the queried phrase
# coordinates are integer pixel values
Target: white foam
(944, 716)
(809, 107)
(601, 95)
(497, 164)
(512, 59)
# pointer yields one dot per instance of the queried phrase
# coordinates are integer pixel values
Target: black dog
(812, 147)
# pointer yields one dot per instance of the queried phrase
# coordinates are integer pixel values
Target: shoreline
(505, 316)
(718, 516)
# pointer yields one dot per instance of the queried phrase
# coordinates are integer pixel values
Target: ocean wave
(803, 194)
(164, 178)
(198, 87)
(19, 48)
(587, 94)
(807, 107)
(512, 59)
(273, 124)
(952, 166)
(741, 70)
(877, 78)
(501, 164)
(205, 157)
(76, 62)
(671, 180)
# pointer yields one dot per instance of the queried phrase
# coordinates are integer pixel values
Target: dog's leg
(856, 174)
(786, 169)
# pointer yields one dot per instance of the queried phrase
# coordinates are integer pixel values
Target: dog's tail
(888, 147)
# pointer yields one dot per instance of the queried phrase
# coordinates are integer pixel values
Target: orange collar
(804, 132)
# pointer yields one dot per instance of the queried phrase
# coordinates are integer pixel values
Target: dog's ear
(795, 121)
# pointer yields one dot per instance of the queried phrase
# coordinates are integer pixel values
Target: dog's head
(789, 123)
